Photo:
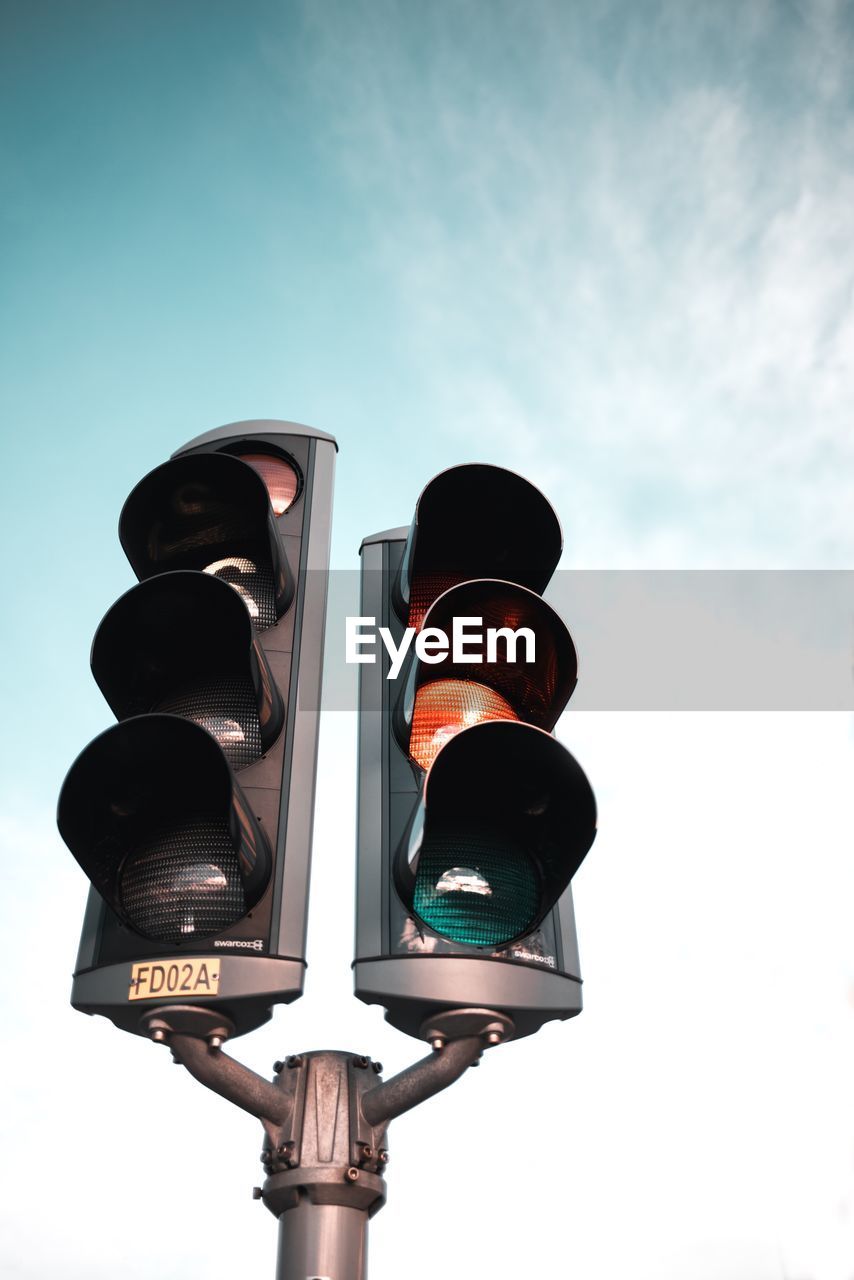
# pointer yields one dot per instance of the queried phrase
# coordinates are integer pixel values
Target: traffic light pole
(325, 1117)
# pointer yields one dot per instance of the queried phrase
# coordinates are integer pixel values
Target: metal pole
(322, 1242)
(325, 1116)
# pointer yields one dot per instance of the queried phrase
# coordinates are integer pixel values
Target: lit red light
(444, 708)
(279, 476)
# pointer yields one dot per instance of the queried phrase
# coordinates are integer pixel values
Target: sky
(607, 245)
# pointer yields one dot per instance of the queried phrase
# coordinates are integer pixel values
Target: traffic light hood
(476, 521)
(503, 822)
(209, 511)
(156, 792)
(535, 690)
(185, 638)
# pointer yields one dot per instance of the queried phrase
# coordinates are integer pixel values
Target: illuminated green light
(475, 890)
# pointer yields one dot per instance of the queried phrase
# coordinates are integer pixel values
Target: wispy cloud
(624, 237)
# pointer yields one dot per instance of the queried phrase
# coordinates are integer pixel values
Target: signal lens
(184, 883)
(444, 708)
(228, 709)
(279, 476)
(426, 588)
(475, 889)
(253, 582)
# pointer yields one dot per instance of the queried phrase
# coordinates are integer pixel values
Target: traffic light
(192, 815)
(473, 818)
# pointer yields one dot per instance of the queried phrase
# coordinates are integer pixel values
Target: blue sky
(608, 245)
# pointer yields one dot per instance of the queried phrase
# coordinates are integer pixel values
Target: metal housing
(413, 973)
(261, 959)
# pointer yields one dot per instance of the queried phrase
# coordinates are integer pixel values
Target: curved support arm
(231, 1079)
(420, 1081)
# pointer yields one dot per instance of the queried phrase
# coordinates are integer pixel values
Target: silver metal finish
(295, 834)
(386, 535)
(187, 1020)
(492, 1027)
(322, 1242)
(369, 868)
(254, 427)
(325, 1117)
(231, 1080)
(415, 988)
(421, 1081)
(251, 984)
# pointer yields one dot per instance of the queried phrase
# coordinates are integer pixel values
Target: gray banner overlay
(708, 640)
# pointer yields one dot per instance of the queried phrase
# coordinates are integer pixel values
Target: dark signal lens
(183, 883)
(253, 582)
(444, 708)
(279, 476)
(228, 709)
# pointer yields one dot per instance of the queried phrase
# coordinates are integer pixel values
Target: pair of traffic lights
(192, 816)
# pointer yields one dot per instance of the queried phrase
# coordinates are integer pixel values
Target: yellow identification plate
(173, 979)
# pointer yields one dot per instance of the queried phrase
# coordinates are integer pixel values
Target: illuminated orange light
(444, 708)
(424, 590)
(279, 476)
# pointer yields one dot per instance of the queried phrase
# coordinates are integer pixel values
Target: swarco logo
(256, 944)
(468, 642)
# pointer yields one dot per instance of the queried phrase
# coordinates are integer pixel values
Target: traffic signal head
(185, 643)
(211, 513)
(472, 817)
(192, 815)
(525, 667)
(157, 820)
(504, 819)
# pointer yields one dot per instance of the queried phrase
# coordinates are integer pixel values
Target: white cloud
(643, 274)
